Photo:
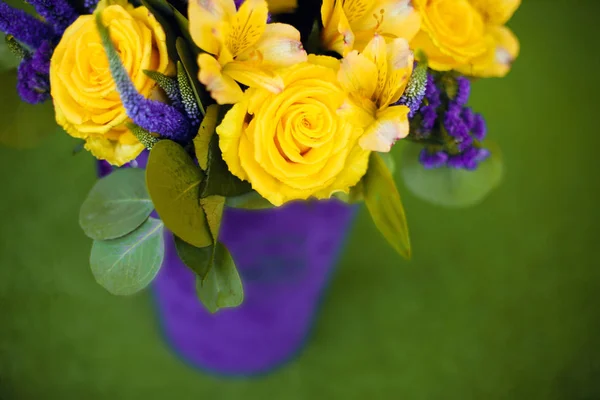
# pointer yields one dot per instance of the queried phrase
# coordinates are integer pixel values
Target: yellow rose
(85, 98)
(293, 145)
(496, 12)
(452, 34)
(497, 61)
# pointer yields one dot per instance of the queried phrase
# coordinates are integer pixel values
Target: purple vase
(285, 257)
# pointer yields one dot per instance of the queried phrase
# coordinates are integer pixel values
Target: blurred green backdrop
(499, 302)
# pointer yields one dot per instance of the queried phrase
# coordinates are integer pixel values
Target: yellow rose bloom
(293, 145)
(453, 33)
(350, 24)
(496, 12)
(497, 61)
(85, 97)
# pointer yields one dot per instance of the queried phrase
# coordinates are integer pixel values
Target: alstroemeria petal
(252, 76)
(222, 88)
(356, 74)
(205, 17)
(390, 125)
(247, 26)
(280, 46)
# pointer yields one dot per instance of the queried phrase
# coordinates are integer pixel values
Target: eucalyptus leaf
(23, 125)
(198, 259)
(384, 205)
(250, 201)
(219, 181)
(450, 187)
(222, 286)
(173, 181)
(188, 58)
(126, 265)
(116, 205)
(213, 208)
(205, 133)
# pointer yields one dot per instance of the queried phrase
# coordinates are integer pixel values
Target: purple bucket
(285, 257)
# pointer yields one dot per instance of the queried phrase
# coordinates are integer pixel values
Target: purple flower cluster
(415, 89)
(41, 36)
(456, 128)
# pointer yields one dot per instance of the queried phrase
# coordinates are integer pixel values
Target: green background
(499, 301)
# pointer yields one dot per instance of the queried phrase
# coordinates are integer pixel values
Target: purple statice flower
(90, 5)
(463, 90)
(454, 124)
(150, 115)
(429, 114)
(58, 13)
(432, 160)
(468, 117)
(432, 92)
(479, 128)
(25, 28)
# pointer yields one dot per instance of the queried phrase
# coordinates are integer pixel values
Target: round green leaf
(116, 205)
(451, 187)
(128, 264)
(222, 286)
(23, 125)
(195, 258)
(173, 181)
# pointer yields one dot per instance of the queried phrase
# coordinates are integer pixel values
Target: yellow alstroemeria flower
(282, 6)
(350, 24)
(376, 79)
(243, 47)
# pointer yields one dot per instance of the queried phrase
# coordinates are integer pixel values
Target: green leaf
(163, 13)
(8, 60)
(213, 208)
(190, 64)
(222, 286)
(198, 259)
(449, 187)
(384, 205)
(23, 125)
(173, 181)
(219, 181)
(205, 133)
(389, 161)
(128, 264)
(249, 201)
(116, 205)
(184, 28)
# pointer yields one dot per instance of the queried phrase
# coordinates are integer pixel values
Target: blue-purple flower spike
(90, 5)
(33, 82)
(151, 115)
(415, 89)
(58, 13)
(24, 27)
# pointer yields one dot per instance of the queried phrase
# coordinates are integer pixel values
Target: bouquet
(254, 104)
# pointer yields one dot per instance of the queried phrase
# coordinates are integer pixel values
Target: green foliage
(451, 187)
(188, 59)
(173, 181)
(23, 125)
(163, 12)
(384, 205)
(145, 137)
(205, 133)
(198, 259)
(11, 52)
(250, 201)
(128, 264)
(219, 181)
(116, 205)
(187, 94)
(221, 287)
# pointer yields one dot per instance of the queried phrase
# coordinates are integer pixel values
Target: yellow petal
(230, 131)
(376, 51)
(222, 88)
(280, 46)
(282, 6)
(391, 125)
(206, 16)
(247, 26)
(497, 62)
(400, 66)
(252, 76)
(115, 152)
(325, 61)
(357, 73)
(360, 111)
